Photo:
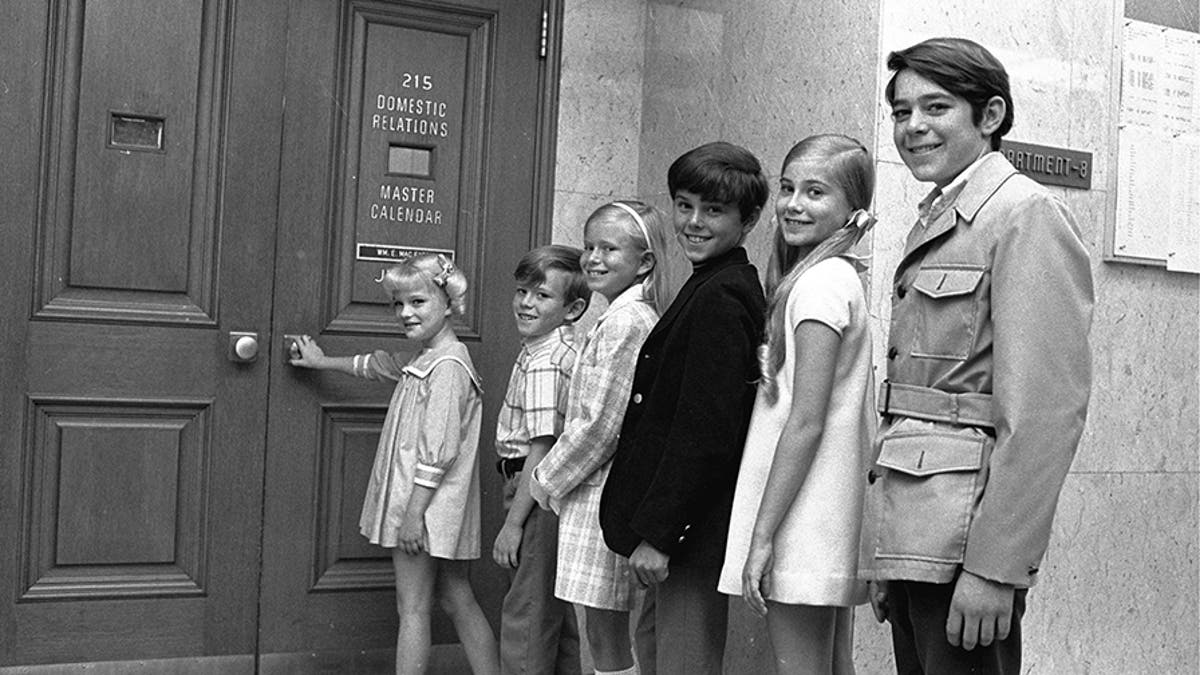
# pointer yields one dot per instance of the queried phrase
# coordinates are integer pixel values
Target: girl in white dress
(422, 499)
(792, 552)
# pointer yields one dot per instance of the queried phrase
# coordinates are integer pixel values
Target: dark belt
(925, 403)
(510, 466)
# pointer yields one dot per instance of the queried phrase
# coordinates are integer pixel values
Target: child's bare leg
(458, 601)
(801, 637)
(843, 642)
(414, 603)
(608, 638)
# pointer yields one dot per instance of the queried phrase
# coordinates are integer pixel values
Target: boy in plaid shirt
(538, 632)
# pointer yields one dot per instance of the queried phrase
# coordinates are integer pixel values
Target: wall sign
(1049, 165)
(409, 145)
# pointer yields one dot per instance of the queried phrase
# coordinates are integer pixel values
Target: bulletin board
(1156, 213)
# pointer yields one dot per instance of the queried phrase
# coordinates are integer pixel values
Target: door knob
(243, 346)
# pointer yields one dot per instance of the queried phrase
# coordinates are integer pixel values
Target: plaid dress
(574, 470)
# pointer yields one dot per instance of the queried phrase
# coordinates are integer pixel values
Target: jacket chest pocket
(948, 311)
(934, 478)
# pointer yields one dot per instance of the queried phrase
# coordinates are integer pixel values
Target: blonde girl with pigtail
(624, 245)
(422, 499)
(792, 552)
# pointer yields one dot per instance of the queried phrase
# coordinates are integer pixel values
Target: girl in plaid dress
(422, 499)
(623, 245)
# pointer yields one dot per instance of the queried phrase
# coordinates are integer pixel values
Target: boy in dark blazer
(667, 500)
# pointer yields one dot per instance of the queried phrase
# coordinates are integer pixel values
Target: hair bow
(860, 220)
(447, 269)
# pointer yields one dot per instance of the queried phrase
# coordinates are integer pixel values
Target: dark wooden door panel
(138, 232)
(163, 507)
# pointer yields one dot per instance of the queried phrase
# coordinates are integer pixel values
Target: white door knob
(243, 346)
(246, 347)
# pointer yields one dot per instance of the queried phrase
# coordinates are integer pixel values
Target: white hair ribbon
(637, 218)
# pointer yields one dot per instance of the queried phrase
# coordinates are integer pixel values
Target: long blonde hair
(656, 285)
(850, 168)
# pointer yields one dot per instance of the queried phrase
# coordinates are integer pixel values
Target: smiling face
(708, 229)
(541, 307)
(611, 261)
(422, 310)
(811, 205)
(934, 131)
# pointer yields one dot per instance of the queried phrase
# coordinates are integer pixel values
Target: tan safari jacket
(992, 301)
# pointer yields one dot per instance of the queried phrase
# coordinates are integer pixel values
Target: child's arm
(506, 550)
(312, 356)
(709, 415)
(449, 402)
(816, 356)
(376, 366)
(600, 394)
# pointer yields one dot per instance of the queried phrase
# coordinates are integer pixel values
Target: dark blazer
(672, 478)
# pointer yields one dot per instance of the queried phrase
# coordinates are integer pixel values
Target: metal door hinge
(545, 33)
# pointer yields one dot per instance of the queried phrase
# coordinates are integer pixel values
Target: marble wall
(644, 81)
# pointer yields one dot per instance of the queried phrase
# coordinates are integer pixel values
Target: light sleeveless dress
(816, 545)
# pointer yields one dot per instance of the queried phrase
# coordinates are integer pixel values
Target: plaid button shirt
(536, 399)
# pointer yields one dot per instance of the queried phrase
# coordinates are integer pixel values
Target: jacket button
(901, 291)
(872, 476)
(637, 398)
(892, 353)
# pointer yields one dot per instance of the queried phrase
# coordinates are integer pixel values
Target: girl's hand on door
(311, 355)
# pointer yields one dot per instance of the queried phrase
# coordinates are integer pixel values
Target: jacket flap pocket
(928, 454)
(941, 282)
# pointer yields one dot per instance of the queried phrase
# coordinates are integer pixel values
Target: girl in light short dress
(792, 552)
(422, 499)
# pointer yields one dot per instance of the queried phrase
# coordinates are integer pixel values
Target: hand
(980, 611)
(756, 575)
(507, 547)
(310, 354)
(413, 537)
(878, 592)
(649, 564)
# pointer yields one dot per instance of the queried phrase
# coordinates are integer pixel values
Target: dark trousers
(690, 618)
(917, 613)
(538, 632)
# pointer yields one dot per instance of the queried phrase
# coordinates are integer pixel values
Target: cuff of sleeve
(1017, 574)
(360, 365)
(429, 476)
(664, 542)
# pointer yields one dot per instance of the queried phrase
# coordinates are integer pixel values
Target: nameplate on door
(389, 253)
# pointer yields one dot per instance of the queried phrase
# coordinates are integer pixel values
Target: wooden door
(179, 172)
(409, 126)
(139, 192)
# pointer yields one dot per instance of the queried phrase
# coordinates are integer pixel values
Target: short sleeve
(824, 293)
(380, 365)
(447, 393)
